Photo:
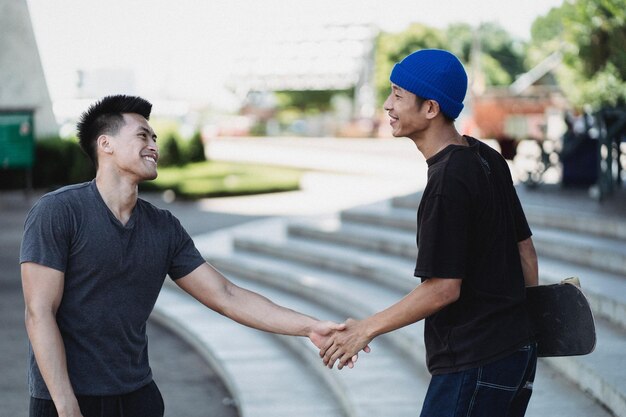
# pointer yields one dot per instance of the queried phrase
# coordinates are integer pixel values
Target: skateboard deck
(562, 319)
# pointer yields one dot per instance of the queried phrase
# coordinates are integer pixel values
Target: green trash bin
(17, 140)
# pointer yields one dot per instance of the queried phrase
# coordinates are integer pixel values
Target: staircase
(359, 261)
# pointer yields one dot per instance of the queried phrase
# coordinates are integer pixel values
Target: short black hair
(105, 116)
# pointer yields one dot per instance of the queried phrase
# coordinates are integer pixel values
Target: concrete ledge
(591, 251)
(174, 323)
(257, 373)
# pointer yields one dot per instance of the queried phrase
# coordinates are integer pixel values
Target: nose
(387, 104)
(152, 144)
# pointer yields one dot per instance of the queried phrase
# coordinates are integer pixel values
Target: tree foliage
(591, 34)
(308, 100)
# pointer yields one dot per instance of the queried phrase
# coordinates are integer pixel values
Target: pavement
(357, 176)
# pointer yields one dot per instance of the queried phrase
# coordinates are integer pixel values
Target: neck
(435, 140)
(119, 194)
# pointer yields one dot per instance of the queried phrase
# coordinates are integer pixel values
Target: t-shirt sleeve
(522, 229)
(443, 233)
(186, 256)
(47, 234)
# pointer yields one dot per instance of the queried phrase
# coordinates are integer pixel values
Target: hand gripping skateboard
(561, 318)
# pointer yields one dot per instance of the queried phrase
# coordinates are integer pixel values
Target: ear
(104, 144)
(432, 109)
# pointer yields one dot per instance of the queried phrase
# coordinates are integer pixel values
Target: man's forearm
(49, 350)
(426, 299)
(254, 310)
(215, 291)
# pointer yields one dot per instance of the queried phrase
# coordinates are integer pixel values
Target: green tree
(508, 52)
(502, 56)
(591, 34)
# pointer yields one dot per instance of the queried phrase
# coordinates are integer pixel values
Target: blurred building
(22, 82)
(532, 107)
(306, 58)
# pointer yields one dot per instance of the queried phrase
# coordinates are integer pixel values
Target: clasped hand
(344, 344)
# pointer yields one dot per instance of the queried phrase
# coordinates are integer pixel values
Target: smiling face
(133, 150)
(406, 112)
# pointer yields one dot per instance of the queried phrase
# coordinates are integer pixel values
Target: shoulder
(62, 198)
(157, 215)
(458, 162)
(151, 210)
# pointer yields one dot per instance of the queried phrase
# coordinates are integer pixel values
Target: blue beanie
(433, 74)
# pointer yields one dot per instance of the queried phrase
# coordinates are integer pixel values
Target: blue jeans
(145, 402)
(498, 389)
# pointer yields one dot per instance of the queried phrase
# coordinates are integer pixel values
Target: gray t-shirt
(113, 275)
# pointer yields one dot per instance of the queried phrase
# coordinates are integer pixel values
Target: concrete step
(605, 290)
(569, 218)
(375, 238)
(382, 214)
(396, 273)
(553, 395)
(353, 389)
(600, 373)
(264, 377)
(346, 295)
(600, 252)
(564, 218)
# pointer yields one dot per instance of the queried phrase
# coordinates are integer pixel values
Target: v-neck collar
(131, 221)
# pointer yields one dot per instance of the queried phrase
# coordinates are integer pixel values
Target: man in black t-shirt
(475, 257)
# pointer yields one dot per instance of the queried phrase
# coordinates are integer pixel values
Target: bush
(58, 162)
(169, 152)
(195, 149)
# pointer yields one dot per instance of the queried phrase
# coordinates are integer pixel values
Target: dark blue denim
(498, 389)
(145, 402)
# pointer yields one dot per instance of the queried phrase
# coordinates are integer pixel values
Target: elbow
(34, 317)
(452, 294)
(448, 291)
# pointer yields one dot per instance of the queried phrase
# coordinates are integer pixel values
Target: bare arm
(212, 289)
(530, 266)
(43, 290)
(427, 298)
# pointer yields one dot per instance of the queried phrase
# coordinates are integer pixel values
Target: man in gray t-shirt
(94, 257)
(113, 275)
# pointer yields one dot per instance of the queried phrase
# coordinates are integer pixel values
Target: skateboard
(562, 319)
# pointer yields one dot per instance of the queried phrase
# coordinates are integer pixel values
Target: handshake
(340, 343)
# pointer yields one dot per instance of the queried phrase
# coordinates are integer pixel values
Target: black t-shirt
(469, 223)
